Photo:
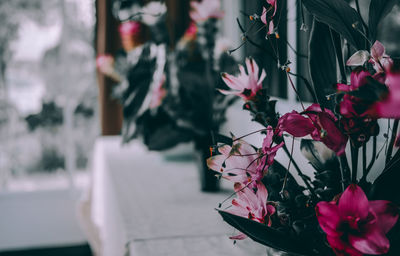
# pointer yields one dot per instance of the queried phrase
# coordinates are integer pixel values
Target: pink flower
(356, 226)
(268, 150)
(206, 9)
(252, 205)
(129, 28)
(158, 94)
(105, 64)
(389, 107)
(356, 120)
(271, 26)
(321, 125)
(245, 85)
(238, 163)
(377, 57)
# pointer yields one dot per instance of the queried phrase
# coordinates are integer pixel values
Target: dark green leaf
(339, 16)
(322, 61)
(386, 186)
(378, 9)
(266, 235)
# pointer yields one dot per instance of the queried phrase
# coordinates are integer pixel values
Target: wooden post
(107, 41)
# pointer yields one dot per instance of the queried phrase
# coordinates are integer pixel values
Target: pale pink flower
(105, 64)
(355, 226)
(377, 57)
(246, 84)
(206, 9)
(268, 149)
(238, 163)
(253, 206)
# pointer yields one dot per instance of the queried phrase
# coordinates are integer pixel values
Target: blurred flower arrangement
(339, 211)
(167, 78)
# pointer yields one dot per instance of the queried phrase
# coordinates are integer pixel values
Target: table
(141, 204)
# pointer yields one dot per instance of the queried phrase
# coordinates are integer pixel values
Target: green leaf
(339, 16)
(378, 9)
(386, 186)
(322, 61)
(266, 235)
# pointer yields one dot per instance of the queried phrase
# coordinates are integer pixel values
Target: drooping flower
(252, 205)
(245, 85)
(377, 57)
(356, 120)
(320, 124)
(238, 163)
(265, 13)
(269, 151)
(389, 107)
(105, 64)
(355, 226)
(206, 9)
(270, 24)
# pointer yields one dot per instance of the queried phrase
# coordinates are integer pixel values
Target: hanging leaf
(322, 61)
(378, 9)
(339, 16)
(386, 186)
(266, 235)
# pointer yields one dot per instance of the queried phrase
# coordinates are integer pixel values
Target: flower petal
(358, 58)
(377, 50)
(328, 217)
(373, 241)
(354, 202)
(295, 124)
(386, 212)
(342, 248)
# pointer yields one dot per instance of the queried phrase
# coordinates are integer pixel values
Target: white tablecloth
(142, 205)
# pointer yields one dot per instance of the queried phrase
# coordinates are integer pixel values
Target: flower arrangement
(167, 75)
(343, 209)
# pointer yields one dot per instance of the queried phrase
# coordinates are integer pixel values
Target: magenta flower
(377, 57)
(206, 9)
(252, 205)
(238, 163)
(356, 120)
(390, 105)
(268, 150)
(129, 28)
(245, 85)
(356, 226)
(320, 124)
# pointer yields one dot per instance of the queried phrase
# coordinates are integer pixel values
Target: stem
(364, 158)
(354, 163)
(345, 170)
(359, 13)
(365, 174)
(302, 176)
(392, 140)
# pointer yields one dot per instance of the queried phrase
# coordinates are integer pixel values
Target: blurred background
(53, 107)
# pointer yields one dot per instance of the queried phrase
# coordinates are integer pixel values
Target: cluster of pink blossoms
(354, 225)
